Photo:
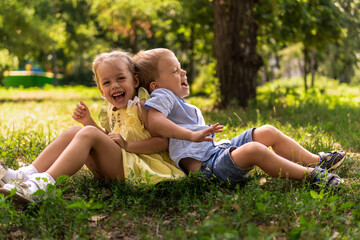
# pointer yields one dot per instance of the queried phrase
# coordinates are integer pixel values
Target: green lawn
(82, 207)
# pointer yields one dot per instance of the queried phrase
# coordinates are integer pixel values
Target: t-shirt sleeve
(162, 100)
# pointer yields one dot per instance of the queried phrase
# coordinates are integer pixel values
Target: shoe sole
(17, 197)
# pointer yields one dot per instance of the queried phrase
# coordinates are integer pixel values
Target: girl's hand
(119, 140)
(82, 114)
(204, 135)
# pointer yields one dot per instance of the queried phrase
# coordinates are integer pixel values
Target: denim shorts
(222, 166)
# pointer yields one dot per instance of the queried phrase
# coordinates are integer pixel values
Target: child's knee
(88, 132)
(74, 129)
(249, 154)
(251, 149)
(71, 131)
(266, 130)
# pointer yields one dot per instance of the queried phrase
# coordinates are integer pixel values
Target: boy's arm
(159, 124)
(147, 146)
(151, 145)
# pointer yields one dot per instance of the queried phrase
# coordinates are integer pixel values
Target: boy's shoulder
(163, 91)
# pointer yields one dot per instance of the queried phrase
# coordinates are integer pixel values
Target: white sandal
(20, 175)
(23, 193)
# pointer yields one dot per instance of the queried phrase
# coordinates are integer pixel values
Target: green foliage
(340, 60)
(7, 62)
(315, 23)
(21, 30)
(206, 83)
(79, 29)
(329, 28)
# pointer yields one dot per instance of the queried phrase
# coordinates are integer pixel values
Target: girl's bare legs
(254, 153)
(49, 155)
(106, 155)
(284, 146)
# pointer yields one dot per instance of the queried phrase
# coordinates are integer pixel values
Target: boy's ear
(136, 80)
(153, 86)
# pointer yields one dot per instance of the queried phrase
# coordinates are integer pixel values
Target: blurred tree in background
(317, 37)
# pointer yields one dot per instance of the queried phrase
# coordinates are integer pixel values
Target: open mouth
(184, 84)
(119, 96)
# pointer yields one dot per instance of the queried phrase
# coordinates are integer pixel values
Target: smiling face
(171, 76)
(116, 83)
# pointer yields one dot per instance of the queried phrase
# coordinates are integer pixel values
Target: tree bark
(313, 67)
(235, 42)
(306, 53)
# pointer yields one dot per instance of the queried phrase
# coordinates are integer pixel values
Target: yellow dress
(150, 168)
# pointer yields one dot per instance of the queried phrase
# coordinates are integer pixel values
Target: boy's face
(171, 76)
(116, 83)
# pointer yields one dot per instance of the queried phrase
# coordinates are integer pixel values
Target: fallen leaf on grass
(236, 207)
(97, 218)
(262, 181)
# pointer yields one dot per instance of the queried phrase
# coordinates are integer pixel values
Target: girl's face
(171, 76)
(116, 83)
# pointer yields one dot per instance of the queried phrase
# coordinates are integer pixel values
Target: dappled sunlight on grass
(27, 126)
(49, 93)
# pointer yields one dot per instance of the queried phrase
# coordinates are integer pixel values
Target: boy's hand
(82, 114)
(119, 140)
(204, 135)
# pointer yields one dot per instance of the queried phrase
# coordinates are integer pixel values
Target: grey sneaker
(336, 158)
(321, 178)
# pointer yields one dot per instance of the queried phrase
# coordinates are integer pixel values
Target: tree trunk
(313, 68)
(306, 53)
(334, 58)
(235, 42)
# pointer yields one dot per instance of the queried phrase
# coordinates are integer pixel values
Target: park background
(291, 64)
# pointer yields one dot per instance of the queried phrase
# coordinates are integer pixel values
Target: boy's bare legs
(106, 155)
(49, 155)
(254, 153)
(284, 146)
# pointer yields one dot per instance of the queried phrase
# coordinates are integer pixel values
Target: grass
(82, 207)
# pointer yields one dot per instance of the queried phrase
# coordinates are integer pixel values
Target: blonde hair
(113, 57)
(146, 65)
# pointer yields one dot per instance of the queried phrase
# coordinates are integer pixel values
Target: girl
(170, 116)
(124, 149)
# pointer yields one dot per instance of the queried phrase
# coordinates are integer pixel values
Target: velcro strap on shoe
(334, 180)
